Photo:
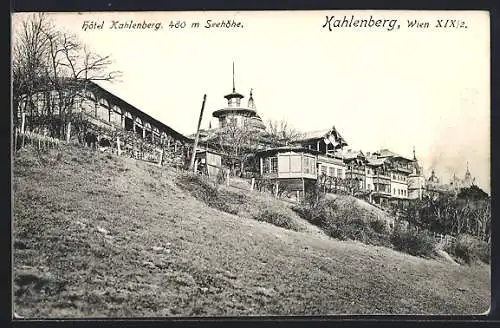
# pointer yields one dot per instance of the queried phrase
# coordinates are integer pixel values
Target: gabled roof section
(329, 135)
(351, 154)
(376, 161)
(386, 153)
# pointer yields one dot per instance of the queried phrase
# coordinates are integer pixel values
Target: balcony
(355, 171)
(403, 169)
(382, 179)
(381, 193)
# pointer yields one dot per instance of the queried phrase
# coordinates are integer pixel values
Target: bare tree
(28, 60)
(279, 133)
(237, 142)
(48, 61)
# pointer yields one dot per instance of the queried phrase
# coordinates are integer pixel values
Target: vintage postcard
(284, 163)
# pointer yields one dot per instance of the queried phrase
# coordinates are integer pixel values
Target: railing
(381, 193)
(34, 139)
(443, 240)
(355, 171)
(403, 169)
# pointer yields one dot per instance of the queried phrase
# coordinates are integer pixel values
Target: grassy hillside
(98, 235)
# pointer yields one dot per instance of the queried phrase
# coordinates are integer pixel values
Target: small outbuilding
(208, 162)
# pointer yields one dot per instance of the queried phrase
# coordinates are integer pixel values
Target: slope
(96, 235)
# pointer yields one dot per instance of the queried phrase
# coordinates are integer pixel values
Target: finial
(251, 103)
(234, 89)
(414, 156)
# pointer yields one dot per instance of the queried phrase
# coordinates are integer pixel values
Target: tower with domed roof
(236, 115)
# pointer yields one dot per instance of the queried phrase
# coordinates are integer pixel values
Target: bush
(276, 218)
(345, 221)
(379, 226)
(469, 249)
(201, 189)
(413, 241)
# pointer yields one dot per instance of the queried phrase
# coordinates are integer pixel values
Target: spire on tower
(467, 172)
(251, 102)
(414, 156)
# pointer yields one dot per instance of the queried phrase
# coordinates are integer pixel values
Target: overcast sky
(427, 88)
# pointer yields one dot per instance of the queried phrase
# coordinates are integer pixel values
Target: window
(394, 191)
(295, 163)
(308, 165)
(265, 165)
(331, 171)
(340, 173)
(283, 163)
(274, 164)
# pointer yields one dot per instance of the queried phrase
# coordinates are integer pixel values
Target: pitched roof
(325, 133)
(350, 154)
(376, 161)
(387, 153)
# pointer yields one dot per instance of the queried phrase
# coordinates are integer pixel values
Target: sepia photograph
(250, 163)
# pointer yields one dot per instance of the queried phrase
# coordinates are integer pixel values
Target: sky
(427, 88)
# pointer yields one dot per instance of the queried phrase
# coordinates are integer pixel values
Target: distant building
(399, 169)
(434, 187)
(468, 181)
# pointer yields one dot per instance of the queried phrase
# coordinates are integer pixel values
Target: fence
(443, 240)
(45, 142)
(34, 139)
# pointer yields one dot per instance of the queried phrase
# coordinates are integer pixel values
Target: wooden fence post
(118, 145)
(161, 157)
(68, 132)
(23, 123)
(15, 139)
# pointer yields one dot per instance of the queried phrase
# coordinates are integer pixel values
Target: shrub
(413, 241)
(378, 226)
(201, 189)
(345, 220)
(469, 249)
(276, 218)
